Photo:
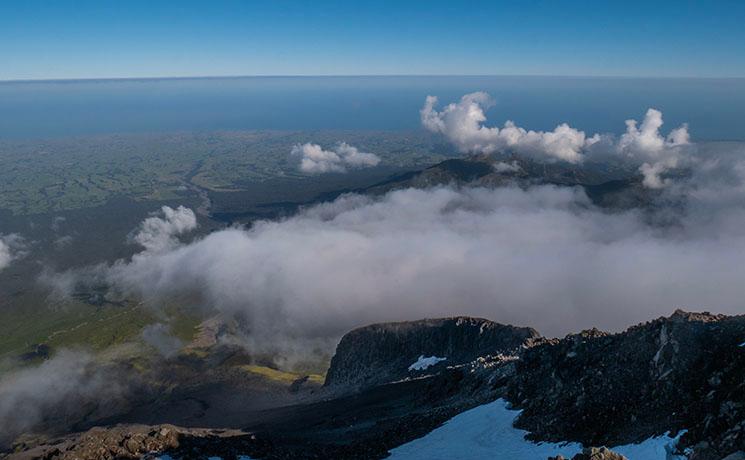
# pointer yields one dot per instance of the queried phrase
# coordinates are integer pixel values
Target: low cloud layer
(315, 160)
(12, 247)
(543, 256)
(462, 123)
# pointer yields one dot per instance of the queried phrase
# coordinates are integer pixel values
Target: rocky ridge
(684, 372)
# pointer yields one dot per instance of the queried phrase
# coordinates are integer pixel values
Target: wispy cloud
(62, 390)
(12, 247)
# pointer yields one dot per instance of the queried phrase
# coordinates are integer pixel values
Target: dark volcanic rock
(682, 372)
(382, 353)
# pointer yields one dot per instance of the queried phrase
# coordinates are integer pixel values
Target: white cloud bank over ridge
(316, 160)
(542, 256)
(462, 123)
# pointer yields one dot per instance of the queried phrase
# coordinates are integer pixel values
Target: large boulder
(387, 352)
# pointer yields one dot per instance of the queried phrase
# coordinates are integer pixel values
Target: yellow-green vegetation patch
(317, 378)
(196, 352)
(278, 375)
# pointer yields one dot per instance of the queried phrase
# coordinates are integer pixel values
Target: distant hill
(612, 185)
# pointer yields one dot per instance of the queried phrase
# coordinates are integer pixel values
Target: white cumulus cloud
(659, 154)
(462, 124)
(316, 160)
(159, 233)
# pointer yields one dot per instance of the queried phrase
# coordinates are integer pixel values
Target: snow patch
(486, 432)
(423, 363)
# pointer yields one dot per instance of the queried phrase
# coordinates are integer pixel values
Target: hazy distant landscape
(80, 198)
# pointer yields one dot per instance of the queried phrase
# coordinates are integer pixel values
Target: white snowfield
(486, 433)
(423, 363)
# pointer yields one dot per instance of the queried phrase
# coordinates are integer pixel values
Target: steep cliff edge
(382, 353)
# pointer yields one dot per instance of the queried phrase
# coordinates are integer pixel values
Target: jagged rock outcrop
(682, 372)
(382, 353)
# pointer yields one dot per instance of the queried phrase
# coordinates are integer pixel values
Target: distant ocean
(715, 109)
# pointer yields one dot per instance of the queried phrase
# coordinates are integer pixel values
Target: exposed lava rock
(382, 353)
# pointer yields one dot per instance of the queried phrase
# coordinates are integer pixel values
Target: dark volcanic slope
(382, 353)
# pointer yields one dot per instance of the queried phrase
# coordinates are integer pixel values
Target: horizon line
(228, 77)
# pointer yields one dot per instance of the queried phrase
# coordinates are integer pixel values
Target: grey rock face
(382, 353)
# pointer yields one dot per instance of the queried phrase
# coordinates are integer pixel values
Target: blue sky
(106, 38)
